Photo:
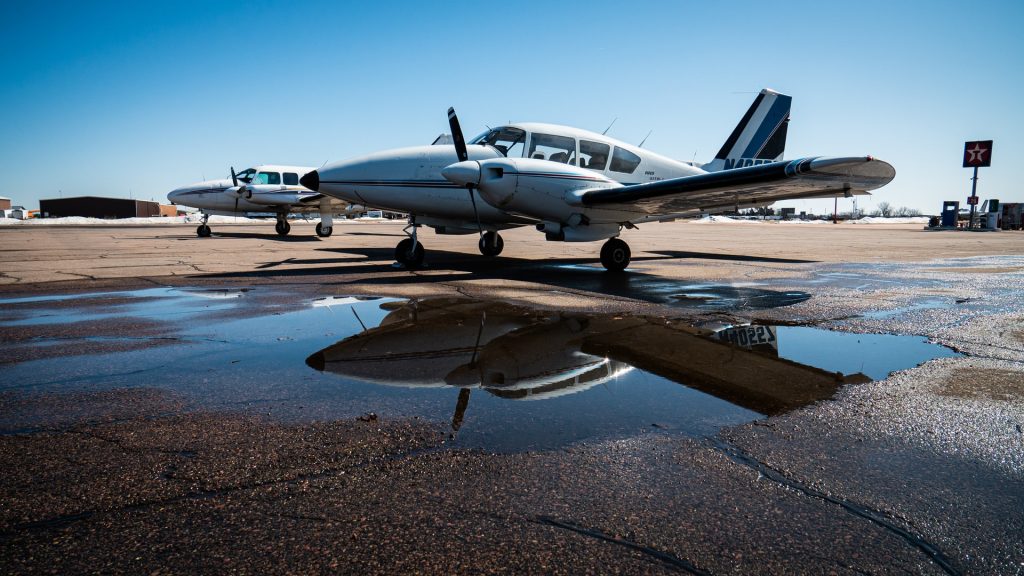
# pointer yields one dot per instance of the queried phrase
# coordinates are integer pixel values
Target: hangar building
(98, 207)
(5, 203)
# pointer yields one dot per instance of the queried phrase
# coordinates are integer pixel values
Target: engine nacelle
(586, 233)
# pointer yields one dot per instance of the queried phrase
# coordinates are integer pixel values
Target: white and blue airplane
(265, 188)
(579, 186)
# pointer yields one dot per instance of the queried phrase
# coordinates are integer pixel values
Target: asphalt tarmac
(250, 403)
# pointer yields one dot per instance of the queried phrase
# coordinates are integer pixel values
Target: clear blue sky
(107, 98)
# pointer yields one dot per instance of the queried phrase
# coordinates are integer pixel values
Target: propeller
(234, 182)
(463, 155)
(243, 189)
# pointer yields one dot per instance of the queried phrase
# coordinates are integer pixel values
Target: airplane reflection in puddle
(520, 353)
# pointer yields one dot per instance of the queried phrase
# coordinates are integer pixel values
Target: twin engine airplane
(578, 186)
(266, 188)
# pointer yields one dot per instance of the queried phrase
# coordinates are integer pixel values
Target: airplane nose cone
(317, 361)
(311, 181)
(463, 173)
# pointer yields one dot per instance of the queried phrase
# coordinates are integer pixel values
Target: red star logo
(977, 153)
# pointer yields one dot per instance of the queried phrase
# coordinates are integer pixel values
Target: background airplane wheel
(203, 231)
(323, 231)
(405, 254)
(283, 227)
(491, 244)
(615, 255)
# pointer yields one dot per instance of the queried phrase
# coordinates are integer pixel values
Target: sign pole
(974, 194)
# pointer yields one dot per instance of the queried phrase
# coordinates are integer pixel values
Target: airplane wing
(753, 185)
(312, 204)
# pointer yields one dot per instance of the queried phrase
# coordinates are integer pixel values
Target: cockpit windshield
(509, 141)
(246, 175)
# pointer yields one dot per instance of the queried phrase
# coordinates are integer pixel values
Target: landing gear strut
(491, 244)
(410, 252)
(282, 226)
(203, 231)
(615, 255)
(326, 224)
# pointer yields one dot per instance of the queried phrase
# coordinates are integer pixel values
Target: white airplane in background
(579, 186)
(266, 188)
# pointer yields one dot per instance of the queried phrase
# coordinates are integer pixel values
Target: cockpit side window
(268, 178)
(551, 147)
(624, 161)
(291, 179)
(246, 175)
(509, 141)
(594, 155)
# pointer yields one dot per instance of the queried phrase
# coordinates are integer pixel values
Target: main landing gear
(282, 226)
(491, 244)
(410, 252)
(615, 255)
(203, 231)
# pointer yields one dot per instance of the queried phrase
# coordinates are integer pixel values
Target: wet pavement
(775, 425)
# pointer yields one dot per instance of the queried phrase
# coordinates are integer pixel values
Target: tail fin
(760, 137)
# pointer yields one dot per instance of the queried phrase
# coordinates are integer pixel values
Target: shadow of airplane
(376, 266)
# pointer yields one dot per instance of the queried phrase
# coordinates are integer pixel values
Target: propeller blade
(460, 142)
(472, 199)
(234, 178)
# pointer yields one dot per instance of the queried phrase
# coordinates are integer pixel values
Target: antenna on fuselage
(609, 126)
(641, 144)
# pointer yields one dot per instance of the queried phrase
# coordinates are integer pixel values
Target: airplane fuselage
(410, 180)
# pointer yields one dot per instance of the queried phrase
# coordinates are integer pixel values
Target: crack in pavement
(878, 517)
(669, 559)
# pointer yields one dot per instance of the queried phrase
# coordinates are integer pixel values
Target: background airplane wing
(312, 204)
(753, 185)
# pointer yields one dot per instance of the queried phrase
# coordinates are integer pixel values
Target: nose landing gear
(203, 231)
(410, 252)
(324, 231)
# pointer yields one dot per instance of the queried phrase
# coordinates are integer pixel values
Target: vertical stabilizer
(760, 137)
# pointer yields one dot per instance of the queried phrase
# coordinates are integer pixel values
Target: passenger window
(624, 161)
(553, 148)
(291, 179)
(594, 155)
(268, 178)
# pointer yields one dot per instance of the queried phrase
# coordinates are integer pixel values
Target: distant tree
(884, 210)
(903, 211)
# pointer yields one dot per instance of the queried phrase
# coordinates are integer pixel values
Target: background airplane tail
(760, 137)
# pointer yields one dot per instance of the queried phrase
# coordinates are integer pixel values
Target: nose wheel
(491, 244)
(615, 255)
(410, 252)
(203, 231)
(324, 231)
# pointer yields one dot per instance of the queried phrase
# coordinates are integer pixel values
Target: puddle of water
(501, 377)
(148, 304)
(925, 305)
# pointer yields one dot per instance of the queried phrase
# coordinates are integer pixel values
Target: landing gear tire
(491, 244)
(203, 231)
(615, 255)
(323, 231)
(283, 227)
(407, 256)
